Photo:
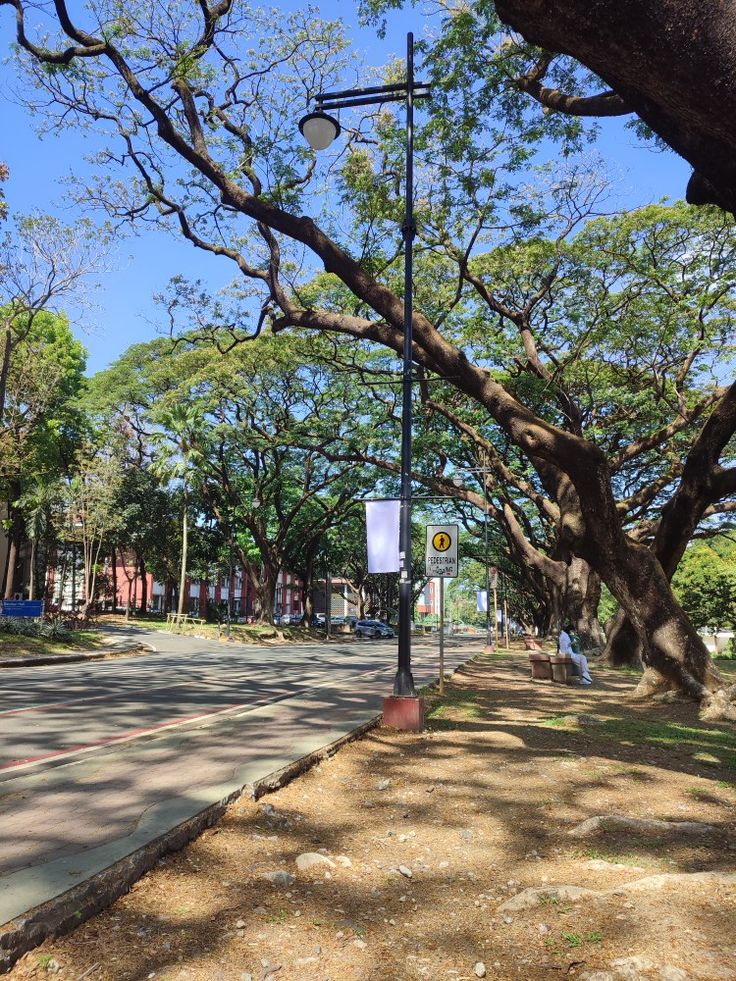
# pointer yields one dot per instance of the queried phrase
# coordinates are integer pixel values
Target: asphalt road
(52, 713)
(98, 759)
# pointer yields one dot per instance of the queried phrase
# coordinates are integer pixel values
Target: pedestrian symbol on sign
(441, 557)
(441, 541)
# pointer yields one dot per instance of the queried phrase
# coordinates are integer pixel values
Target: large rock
(532, 897)
(310, 860)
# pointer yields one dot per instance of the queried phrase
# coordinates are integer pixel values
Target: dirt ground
(417, 842)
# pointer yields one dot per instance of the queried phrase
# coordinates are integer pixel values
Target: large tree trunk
(265, 588)
(183, 572)
(15, 541)
(114, 567)
(308, 589)
(32, 579)
(670, 644)
(672, 62)
(143, 608)
(582, 596)
(624, 647)
(5, 370)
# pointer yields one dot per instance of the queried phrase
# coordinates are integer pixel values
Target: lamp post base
(489, 649)
(404, 714)
(404, 684)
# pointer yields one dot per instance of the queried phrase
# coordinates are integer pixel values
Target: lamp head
(457, 481)
(319, 129)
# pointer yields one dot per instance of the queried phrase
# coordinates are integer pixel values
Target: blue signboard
(30, 609)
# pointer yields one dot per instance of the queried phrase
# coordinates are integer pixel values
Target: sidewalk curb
(46, 659)
(69, 910)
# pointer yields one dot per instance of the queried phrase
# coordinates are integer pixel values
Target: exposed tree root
(648, 826)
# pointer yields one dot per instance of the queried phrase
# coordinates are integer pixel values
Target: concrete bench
(540, 665)
(531, 643)
(553, 667)
(564, 669)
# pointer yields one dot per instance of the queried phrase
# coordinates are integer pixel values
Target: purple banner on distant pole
(382, 533)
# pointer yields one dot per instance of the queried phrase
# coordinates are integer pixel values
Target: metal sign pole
(442, 636)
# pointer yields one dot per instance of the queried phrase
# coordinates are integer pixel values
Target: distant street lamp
(320, 129)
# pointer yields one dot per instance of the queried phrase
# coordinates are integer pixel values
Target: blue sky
(122, 309)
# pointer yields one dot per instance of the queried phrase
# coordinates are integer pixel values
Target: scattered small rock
(405, 871)
(344, 861)
(273, 817)
(383, 785)
(466, 834)
(280, 878)
(360, 944)
(480, 970)
(239, 924)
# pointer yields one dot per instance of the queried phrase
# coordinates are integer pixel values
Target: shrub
(46, 629)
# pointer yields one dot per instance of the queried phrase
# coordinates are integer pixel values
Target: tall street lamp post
(320, 129)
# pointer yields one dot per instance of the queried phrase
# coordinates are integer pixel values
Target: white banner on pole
(482, 598)
(382, 533)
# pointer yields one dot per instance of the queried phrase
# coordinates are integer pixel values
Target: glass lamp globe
(319, 129)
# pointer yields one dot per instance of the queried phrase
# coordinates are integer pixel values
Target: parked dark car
(373, 628)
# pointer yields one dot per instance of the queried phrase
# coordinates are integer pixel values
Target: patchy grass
(558, 722)
(619, 858)
(457, 705)
(12, 645)
(727, 666)
(705, 745)
(242, 633)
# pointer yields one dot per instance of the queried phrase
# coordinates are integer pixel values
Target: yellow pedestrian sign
(441, 558)
(441, 541)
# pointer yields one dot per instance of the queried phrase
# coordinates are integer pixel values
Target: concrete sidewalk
(67, 853)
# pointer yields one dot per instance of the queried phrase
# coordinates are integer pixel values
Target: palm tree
(179, 439)
(36, 504)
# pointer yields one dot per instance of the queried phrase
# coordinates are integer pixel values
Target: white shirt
(565, 643)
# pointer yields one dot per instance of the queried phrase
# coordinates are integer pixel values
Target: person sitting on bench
(565, 645)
